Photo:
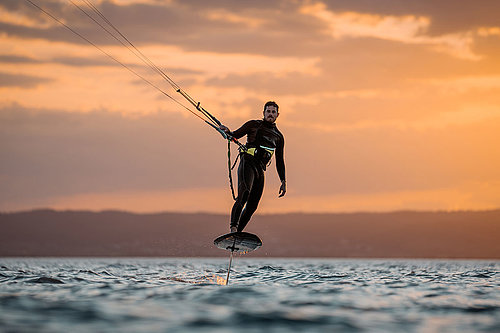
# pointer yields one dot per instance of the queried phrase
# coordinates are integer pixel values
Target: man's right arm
(240, 132)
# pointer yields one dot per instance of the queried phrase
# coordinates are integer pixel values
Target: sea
(262, 295)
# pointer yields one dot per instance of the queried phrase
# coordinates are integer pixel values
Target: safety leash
(230, 168)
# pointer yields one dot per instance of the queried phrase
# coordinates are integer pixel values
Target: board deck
(238, 242)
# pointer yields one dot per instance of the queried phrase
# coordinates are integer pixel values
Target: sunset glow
(383, 107)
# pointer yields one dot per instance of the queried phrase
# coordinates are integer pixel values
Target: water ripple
(178, 295)
(45, 279)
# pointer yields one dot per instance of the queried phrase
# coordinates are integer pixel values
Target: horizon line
(112, 210)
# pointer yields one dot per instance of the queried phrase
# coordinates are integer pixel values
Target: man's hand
(282, 189)
(225, 129)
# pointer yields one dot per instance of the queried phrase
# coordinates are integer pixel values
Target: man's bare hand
(282, 189)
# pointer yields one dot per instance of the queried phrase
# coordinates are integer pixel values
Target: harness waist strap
(253, 150)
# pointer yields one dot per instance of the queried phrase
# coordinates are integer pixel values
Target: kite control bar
(216, 124)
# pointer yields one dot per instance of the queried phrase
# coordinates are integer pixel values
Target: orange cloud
(23, 19)
(381, 108)
(407, 29)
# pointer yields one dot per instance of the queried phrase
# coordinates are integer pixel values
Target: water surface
(272, 295)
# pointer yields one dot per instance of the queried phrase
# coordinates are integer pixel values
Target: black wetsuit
(260, 133)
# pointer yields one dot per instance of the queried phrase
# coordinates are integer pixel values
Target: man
(263, 141)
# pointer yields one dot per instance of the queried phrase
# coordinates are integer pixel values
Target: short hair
(271, 103)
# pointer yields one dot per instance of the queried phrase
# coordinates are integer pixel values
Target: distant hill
(363, 235)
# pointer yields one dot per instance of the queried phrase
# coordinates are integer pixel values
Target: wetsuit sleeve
(280, 160)
(243, 130)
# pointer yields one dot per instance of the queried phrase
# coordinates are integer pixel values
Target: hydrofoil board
(238, 242)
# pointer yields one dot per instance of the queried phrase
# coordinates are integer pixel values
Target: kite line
(94, 14)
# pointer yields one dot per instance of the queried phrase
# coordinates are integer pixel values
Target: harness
(262, 153)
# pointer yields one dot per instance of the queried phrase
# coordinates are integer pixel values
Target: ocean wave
(45, 279)
(81, 295)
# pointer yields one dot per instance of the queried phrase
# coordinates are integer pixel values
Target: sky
(385, 105)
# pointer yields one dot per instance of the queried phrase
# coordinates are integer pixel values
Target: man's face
(271, 113)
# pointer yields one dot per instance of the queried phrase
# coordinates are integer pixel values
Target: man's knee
(252, 205)
(243, 197)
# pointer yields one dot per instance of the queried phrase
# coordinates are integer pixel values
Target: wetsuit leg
(253, 197)
(246, 176)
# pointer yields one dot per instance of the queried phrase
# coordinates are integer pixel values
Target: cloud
(409, 29)
(464, 117)
(17, 59)
(353, 67)
(353, 24)
(17, 13)
(69, 61)
(447, 17)
(278, 30)
(274, 29)
(21, 81)
(375, 98)
(83, 62)
(227, 16)
(60, 153)
(465, 83)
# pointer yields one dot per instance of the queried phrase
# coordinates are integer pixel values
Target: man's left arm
(280, 166)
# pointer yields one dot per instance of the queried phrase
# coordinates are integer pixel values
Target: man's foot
(234, 229)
